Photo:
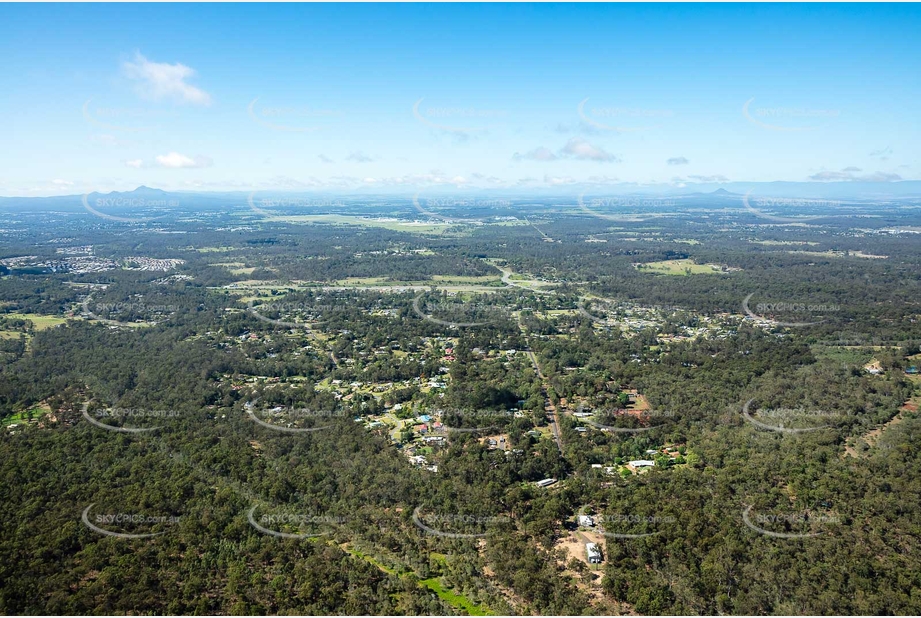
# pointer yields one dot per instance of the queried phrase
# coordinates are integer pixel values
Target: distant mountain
(842, 191)
(140, 192)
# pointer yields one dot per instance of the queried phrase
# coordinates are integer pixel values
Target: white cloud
(359, 157)
(556, 181)
(538, 154)
(62, 183)
(713, 178)
(580, 127)
(603, 180)
(135, 163)
(575, 148)
(847, 176)
(882, 154)
(108, 140)
(159, 80)
(678, 161)
(324, 158)
(579, 148)
(174, 160)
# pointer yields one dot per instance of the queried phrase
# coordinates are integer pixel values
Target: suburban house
(594, 554)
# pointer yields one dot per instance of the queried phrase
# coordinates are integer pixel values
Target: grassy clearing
(839, 354)
(18, 417)
(464, 279)
(773, 243)
(212, 249)
(23, 415)
(389, 224)
(236, 268)
(364, 281)
(456, 600)
(359, 554)
(251, 289)
(678, 267)
(434, 584)
(840, 254)
(39, 322)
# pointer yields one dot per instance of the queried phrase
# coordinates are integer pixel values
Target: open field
(236, 268)
(841, 254)
(211, 249)
(23, 415)
(776, 243)
(842, 354)
(246, 288)
(434, 584)
(574, 545)
(40, 322)
(456, 600)
(678, 267)
(386, 223)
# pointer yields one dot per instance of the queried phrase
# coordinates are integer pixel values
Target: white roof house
(586, 521)
(642, 463)
(594, 554)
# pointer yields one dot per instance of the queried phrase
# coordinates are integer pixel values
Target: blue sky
(365, 97)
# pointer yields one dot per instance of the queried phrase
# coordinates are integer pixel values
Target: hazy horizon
(492, 97)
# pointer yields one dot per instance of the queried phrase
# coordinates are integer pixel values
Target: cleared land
(679, 267)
